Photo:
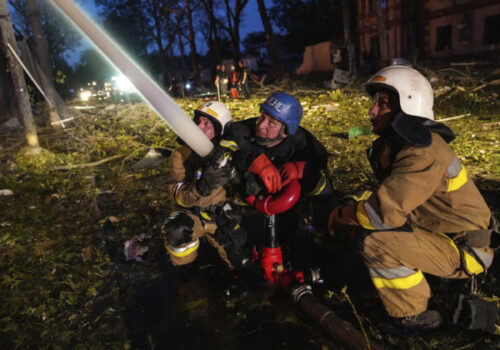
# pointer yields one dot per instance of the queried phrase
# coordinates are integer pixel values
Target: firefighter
(426, 216)
(272, 150)
(197, 188)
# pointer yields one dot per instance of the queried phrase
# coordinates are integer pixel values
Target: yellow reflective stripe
(320, 186)
(236, 227)
(177, 196)
(205, 216)
(364, 196)
(458, 181)
(399, 283)
(182, 252)
(472, 265)
(233, 146)
(362, 216)
(212, 112)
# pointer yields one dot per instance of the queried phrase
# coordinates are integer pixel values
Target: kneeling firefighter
(426, 216)
(197, 188)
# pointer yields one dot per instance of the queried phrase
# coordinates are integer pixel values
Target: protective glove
(212, 177)
(267, 172)
(291, 171)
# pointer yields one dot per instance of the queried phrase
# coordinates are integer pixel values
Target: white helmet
(215, 111)
(416, 97)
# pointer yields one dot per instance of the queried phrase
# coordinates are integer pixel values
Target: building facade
(430, 29)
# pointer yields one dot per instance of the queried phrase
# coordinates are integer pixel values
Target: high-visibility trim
(363, 197)
(378, 78)
(205, 216)
(472, 266)
(362, 216)
(320, 186)
(176, 195)
(183, 251)
(405, 282)
(368, 215)
(458, 175)
(233, 146)
(212, 112)
(486, 258)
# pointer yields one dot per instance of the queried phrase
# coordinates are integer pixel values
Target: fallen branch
(86, 165)
(452, 118)
(482, 86)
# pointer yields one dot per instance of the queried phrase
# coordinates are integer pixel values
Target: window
(492, 30)
(465, 29)
(443, 38)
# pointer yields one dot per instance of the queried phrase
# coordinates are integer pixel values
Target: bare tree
(192, 41)
(382, 36)
(16, 71)
(233, 20)
(271, 41)
(348, 37)
(42, 54)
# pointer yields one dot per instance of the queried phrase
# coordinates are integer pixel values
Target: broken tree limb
(482, 86)
(452, 118)
(86, 165)
(341, 330)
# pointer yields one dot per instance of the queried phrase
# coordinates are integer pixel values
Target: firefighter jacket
(303, 146)
(185, 170)
(427, 187)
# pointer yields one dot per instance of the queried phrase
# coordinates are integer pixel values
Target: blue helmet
(285, 108)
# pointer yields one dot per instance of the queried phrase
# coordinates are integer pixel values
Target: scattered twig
(85, 165)
(344, 291)
(452, 118)
(482, 86)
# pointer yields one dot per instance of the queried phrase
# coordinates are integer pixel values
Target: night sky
(251, 23)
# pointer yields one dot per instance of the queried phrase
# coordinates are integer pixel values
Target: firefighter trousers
(398, 260)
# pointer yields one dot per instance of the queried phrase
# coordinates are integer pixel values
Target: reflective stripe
(205, 216)
(233, 146)
(368, 215)
(486, 258)
(472, 266)
(183, 251)
(362, 216)
(176, 192)
(364, 196)
(320, 186)
(398, 278)
(458, 175)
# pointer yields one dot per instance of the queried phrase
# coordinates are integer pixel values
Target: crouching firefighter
(197, 187)
(426, 216)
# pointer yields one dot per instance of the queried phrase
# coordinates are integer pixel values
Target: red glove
(267, 172)
(291, 171)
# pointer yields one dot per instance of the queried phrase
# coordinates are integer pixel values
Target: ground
(64, 280)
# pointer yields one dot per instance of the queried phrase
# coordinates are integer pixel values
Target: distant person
(223, 81)
(244, 77)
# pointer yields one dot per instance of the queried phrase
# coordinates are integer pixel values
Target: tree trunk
(348, 38)
(382, 36)
(271, 41)
(192, 44)
(42, 54)
(39, 39)
(16, 71)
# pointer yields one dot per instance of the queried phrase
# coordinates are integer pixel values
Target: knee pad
(178, 229)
